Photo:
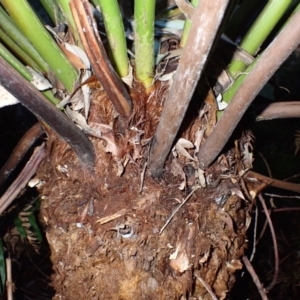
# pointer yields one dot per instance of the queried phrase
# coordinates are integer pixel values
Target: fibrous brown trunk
(104, 230)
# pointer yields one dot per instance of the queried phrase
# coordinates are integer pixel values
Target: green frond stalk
(66, 11)
(21, 69)
(187, 27)
(116, 35)
(15, 63)
(228, 95)
(144, 11)
(21, 13)
(260, 30)
(53, 11)
(17, 51)
(12, 31)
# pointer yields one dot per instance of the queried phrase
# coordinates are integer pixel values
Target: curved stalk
(30, 97)
(24, 144)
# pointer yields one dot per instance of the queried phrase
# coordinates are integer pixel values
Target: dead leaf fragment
(181, 147)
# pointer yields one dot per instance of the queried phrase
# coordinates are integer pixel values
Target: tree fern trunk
(104, 232)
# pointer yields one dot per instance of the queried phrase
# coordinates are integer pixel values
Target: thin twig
(263, 229)
(20, 182)
(282, 261)
(274, 243)
(207, 286)
(254, 234)
(176, 210)
(266, 164)
(24, 144)
(255, 278)
(292, 177)
(269, 61)
(280, 196)
(286, 209)
(270, 174)
(271, 201)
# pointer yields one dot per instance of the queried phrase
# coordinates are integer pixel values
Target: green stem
(262, 70)
(115, 33)
(21, 69)
(187, 27)
(15, 63)
(144, 40)
(21, 13)
(65, 8)
(259, 31)
(53, 11)
(18, 52)
(228, 95)
(16, 35)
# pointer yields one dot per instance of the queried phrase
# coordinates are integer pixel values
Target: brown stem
(30, 97)
(275, 276)
(205, 24)
(95, 51)
(279, 110)
(271, 59)
(207, 286)
(20, 182)
(289, 186)
(255, 278)
(24, 144)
